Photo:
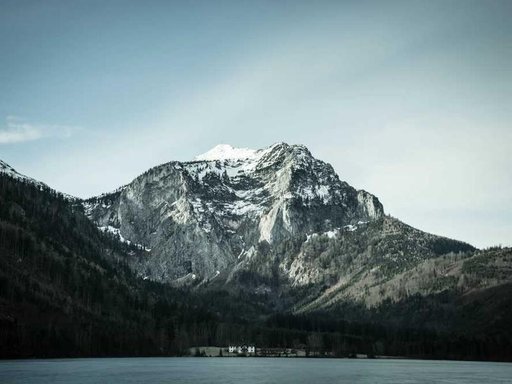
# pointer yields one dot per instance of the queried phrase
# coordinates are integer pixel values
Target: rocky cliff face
(207, 217)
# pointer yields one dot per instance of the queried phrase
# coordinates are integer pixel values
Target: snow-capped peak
(227, 152)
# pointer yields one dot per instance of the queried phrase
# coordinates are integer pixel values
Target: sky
(409, 100)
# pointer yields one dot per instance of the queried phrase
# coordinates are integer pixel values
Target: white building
(241, 349)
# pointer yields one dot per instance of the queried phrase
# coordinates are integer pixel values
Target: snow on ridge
(6, 168)
(10, 171)
(117, 232)
(224, 152)
(227, 152)
(334, 232)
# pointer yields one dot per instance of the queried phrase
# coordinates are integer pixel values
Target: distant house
(242, 349)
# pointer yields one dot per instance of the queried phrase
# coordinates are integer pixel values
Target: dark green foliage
(65, 288)
(443, 245)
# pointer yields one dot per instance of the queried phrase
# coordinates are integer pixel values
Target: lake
(250, 370)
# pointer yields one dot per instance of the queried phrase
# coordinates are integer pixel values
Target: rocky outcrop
(203, 218)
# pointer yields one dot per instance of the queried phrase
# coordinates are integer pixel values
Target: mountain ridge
(267, 221)
(10, 171)
(239, 201)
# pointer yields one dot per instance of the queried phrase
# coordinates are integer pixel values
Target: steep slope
(7, 170)
(321, 269)
(388, 260)
(201, 219)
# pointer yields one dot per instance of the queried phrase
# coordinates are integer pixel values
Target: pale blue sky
(410, 100)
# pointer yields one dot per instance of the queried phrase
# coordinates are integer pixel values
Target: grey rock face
(204, 219)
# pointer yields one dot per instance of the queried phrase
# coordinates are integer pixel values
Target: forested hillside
(65, 288)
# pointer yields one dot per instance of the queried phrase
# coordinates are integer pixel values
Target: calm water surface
(250, 370)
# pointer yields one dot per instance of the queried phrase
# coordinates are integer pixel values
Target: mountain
(272, 221)
(202, 218)
(331, 272)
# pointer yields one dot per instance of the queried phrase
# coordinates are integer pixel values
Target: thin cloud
(17, 130)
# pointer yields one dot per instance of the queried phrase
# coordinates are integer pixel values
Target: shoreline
(382, 358)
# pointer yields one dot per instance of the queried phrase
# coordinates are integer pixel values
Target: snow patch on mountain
(227, 152)
(117, 232)
(332, 234)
